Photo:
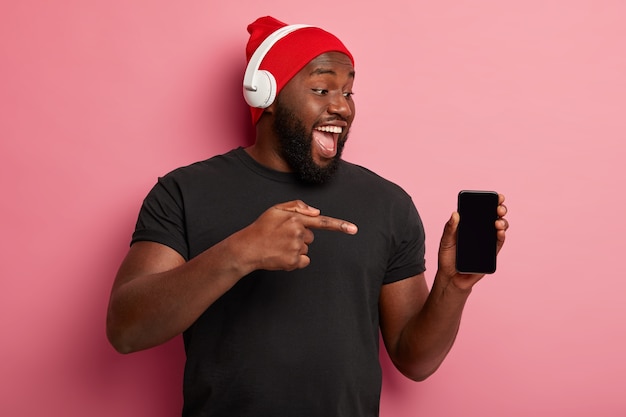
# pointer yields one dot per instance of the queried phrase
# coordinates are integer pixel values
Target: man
(280, 306)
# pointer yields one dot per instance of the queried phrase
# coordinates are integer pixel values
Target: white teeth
(330, 129)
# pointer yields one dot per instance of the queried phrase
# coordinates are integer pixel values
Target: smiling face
(313, 114)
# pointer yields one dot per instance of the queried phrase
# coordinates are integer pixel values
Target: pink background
(528, 98)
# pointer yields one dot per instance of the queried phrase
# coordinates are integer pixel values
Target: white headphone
(259, 86)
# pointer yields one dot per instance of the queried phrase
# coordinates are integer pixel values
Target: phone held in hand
(476, 233)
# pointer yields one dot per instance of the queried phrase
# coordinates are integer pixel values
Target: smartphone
(476, 233)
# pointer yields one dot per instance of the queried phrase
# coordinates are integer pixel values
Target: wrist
(453, 286)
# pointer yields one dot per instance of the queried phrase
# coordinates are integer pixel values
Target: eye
(320, 91)
(348, 94)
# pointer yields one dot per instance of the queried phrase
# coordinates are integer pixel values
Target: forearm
(429, 335)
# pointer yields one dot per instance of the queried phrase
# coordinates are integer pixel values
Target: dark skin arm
(419, 327)
(156, 295)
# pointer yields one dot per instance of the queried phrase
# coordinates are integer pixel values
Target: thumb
(299, 206)
(448, 239)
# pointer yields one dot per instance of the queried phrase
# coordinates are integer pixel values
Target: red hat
(291, 53)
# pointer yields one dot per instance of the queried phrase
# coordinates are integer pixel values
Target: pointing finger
(330, 223)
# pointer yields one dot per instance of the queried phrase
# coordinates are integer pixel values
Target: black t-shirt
(300, 343)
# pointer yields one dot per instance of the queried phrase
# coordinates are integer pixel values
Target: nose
(340, 105)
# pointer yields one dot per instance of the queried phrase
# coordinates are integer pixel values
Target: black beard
(295, 146)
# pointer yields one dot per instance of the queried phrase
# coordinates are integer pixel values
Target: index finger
(330, 223)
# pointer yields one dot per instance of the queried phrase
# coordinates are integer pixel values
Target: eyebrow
(322, 71)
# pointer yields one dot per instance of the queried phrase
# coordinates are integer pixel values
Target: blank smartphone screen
(476, 234)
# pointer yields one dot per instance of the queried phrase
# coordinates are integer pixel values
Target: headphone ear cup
(265, 92)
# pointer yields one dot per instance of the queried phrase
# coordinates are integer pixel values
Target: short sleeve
(162, 218)
(407, 258)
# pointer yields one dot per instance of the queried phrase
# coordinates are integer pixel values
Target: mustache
(332, 119)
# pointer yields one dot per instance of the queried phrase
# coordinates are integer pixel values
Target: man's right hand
(279, 239)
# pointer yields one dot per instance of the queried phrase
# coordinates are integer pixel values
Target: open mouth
(325, 137)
